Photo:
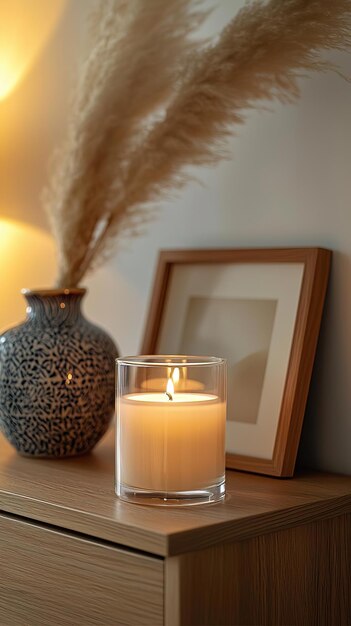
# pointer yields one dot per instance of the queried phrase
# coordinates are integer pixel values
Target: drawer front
(49, 578)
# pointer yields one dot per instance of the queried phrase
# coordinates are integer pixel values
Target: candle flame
(170, 389)
(176, 375)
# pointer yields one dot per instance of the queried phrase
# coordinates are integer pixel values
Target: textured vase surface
(56, 377)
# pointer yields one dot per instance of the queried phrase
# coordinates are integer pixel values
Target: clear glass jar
(171, 416)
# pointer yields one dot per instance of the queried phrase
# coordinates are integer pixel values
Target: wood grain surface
(78, 494)
(49, 578)
(295, 577)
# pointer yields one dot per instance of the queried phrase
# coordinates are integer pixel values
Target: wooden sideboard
(276, 552)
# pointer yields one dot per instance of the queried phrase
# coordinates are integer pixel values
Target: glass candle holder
(171, 415)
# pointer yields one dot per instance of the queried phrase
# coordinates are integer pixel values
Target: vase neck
(54, 307)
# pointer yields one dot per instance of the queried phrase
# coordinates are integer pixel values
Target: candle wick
(170, 397)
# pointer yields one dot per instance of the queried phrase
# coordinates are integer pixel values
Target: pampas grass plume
(122, 155)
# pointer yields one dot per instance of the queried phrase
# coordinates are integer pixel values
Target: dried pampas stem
(110, 177)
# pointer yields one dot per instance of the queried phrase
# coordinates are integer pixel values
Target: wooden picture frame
(312, 265)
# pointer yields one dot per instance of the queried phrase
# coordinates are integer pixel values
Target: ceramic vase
(56, 377)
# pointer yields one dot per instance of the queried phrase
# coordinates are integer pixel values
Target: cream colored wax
(171, 445)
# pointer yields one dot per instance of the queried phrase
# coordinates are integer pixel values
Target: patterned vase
(56, 377)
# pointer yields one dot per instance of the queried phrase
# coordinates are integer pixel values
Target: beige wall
(287, 183)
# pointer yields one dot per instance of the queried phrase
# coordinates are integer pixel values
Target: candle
(172, 444)
(171, 429)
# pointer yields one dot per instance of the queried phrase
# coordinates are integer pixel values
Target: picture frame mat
(280, 282)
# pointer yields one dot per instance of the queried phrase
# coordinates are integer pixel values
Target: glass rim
(170, 360)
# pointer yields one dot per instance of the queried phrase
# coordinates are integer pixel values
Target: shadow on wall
(325, 441)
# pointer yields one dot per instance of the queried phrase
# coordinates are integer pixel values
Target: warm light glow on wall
(27, 259)
(25, 26)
